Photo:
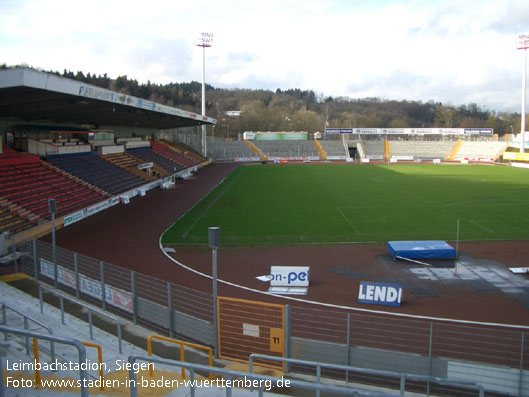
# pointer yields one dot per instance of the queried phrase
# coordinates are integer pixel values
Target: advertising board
(144, 166)
(72, 218)
(113, 296)
(380, 293)
(248, 135)
(289, 276)
(411, 131)
(333, 131)
(516, 156)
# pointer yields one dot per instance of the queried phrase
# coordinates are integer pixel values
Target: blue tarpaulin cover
(421, 249)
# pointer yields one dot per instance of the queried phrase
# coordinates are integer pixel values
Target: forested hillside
(303, 110)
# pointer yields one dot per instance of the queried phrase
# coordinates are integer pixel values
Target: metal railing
(26, 325)
(390, 374)
(264, 382)
(90, 311)
(182, 343)
(87, 344)
(72, 342)
(99, 360)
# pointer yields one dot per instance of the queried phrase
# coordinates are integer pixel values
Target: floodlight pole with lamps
(523, 44)
(204, 40)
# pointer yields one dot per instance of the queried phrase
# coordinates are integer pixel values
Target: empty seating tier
(30, 184)
(228, 150)
(288, 148)
(13, 221)
(480, 150)
(422, 149)
(98, 172)
(333, 148)
(183, 151)
(131, 164)
(123, 160)
(149, 155)
(180, 158)
(374, 149)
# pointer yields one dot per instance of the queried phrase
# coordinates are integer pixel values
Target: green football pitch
(279, 204)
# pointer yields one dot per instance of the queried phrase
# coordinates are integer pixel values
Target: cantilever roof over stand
(33, 96)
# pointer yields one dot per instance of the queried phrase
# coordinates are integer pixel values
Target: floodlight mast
(204, 40)
(523, 44)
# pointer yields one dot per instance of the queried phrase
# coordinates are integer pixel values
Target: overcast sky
(452, 51)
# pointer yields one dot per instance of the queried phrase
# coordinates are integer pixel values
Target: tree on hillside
(398, 123)
(446, 116)
(307, 120)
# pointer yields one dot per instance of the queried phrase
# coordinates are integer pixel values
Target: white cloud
(449, 51)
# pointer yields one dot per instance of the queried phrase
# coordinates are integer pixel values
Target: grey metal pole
(348, 345)
(26, 327)
(76, 270)
(120, 340)
(35, 262)
(520, 384)
(192, 378)
(524, 44)
(90, 324)
(287, 337)
(430, 358)
(215, 320)
(318, 378)
(204, 143)
(214, 244)
(15, 254)
(41, 301)
(403, 385)
(4, 322)
(54, 249)
(170, 309)
(204, 41)
(103, 297)
(133, 293)
(61, 302)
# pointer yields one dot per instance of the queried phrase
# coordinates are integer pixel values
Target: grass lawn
(351, 203)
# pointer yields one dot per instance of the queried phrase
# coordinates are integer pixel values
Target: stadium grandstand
(84, 146)
(445, 144)
(121, 170)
